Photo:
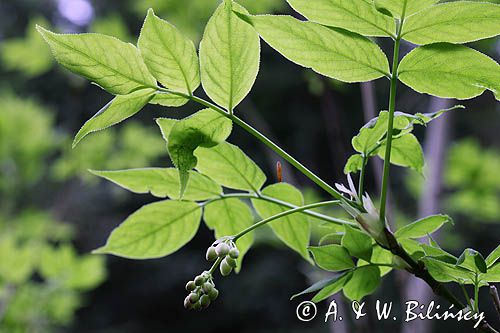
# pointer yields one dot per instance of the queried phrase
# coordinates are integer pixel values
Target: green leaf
(364, 281)
(166, 99)
(397, 7)
(357, 243)
(444, 272)
(116, 111)
(335, 53)
(166, 125)
(406, 152)
(155, 230)
(353, 164)
(228, 217)
(423, 227)
(229, 56)
(493, 257)
(371, 134)
(472, 260)
(332, 257)
(453, 22)
(333, 287)
(17, 262)
(170, 57)
(450, 71)
(382, 256)
(327, 287)
(63, 265)
(163, 182)
(359, 16)
(206, 128)
(294, 229)
(112, 64)
(493, 275)
(229, 166)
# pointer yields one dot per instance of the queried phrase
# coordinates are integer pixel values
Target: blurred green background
(53, 212)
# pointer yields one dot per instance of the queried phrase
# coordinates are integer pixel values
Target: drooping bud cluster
(228, 252)
(201, 292)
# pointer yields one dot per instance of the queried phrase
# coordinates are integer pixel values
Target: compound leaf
(335, 53)
(358, 16)
(453, 22)
(229, 166)
(155, 230)
(170, 57)
(163, 182)
(229, 56)
(119, 109)
(450, 71)
(114, 65)
(206, 128)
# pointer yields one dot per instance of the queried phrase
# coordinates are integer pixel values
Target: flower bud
(207, 287)
(213, 294)
(234, 253)
(193, 297)
(211, 254)
(222, 249)
(230, 261)
(190, 286)
(225, 268)
(205, 301)
(199, 280)
(197, 306)
(187, 303)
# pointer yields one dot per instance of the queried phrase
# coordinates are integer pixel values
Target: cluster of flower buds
(227, 251)
(202, 292)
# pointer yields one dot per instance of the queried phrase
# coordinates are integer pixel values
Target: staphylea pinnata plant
(336, 41)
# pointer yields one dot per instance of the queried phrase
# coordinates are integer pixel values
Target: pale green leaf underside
(119, 109)
(454, 22)
(335, 53)
(155, 230)
(363, 282)
(114, 65)
(206, 128)
(163, 183)
(396, 7)
(450, 71)
(166, 125)
(228, 217)
(406, 152)
(229, 166)
(170, 57)
(294, 229)
(423, 227)
(353, 164)
(358, 16)
(229, 56)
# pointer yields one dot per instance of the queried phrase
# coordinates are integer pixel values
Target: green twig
(282, 214)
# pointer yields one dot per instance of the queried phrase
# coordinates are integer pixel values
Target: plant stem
(255, 196)
(361, 185)
(476, 294)
(390, 126)
(466, 295)
(282, 214)
(215, 265)
(262, 138)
